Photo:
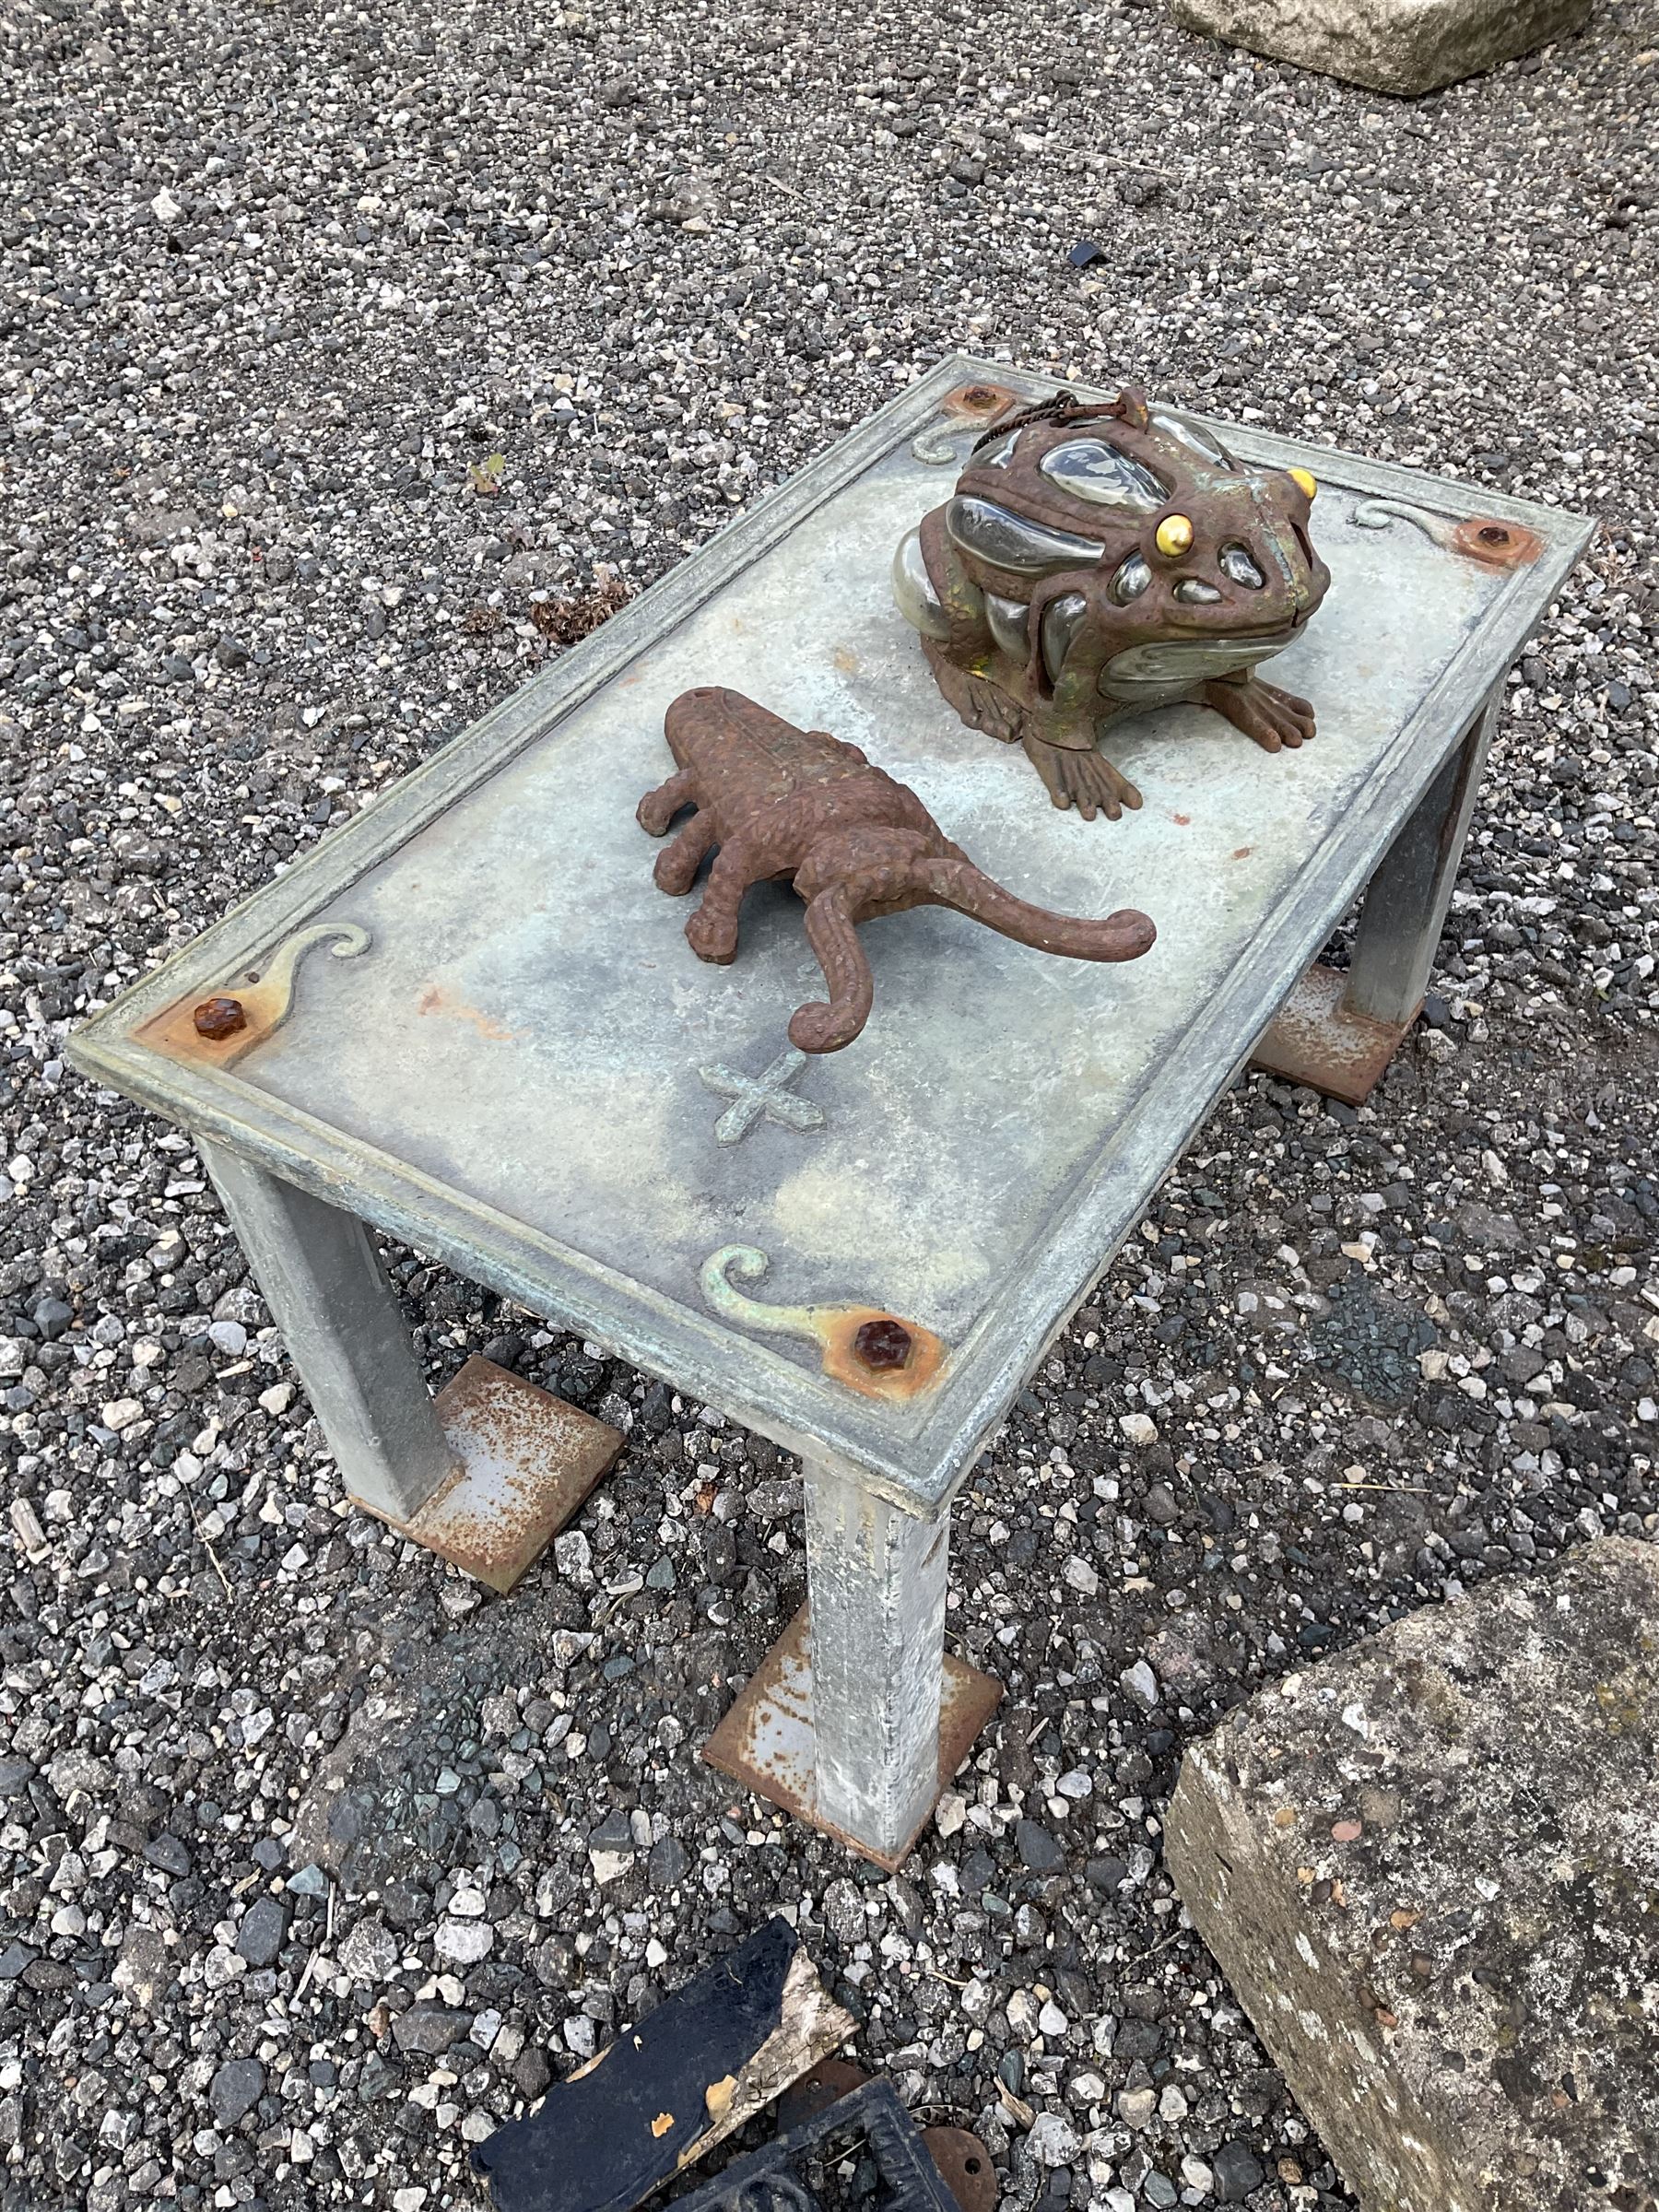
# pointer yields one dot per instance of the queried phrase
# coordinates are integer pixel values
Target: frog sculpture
(1099, 558)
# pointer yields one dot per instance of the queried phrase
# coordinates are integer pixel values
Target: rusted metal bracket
(1316, 1039)
(768, 1741)
(1337, 1032)
(526, 1462)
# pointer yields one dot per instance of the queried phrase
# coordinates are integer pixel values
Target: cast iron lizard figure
(1101, 559)
(798, 806)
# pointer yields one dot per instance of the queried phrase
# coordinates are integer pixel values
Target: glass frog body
(1099, 558)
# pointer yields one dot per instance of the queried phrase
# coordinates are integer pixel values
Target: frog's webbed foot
(981, 704)
(1271, 717)
(1082, 778)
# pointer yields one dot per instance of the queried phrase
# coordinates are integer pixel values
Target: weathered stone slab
(1406, 46)
(1429, 1868)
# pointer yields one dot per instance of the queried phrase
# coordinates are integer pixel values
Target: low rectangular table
(469, 1019)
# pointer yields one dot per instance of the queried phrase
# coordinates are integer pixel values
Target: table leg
(875, 1580)
(486, 1474)
(345, 1333)
(858, 1717)
(1338, 1031)
(1406, 899)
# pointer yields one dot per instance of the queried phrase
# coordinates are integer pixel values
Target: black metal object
(780, 2177)
(626, 2123)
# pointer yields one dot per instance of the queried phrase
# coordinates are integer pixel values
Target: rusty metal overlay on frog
(1100, 558)
(800, 806)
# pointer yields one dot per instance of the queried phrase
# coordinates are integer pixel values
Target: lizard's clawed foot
(713, 938)
(1081, 778)
(1270, 717)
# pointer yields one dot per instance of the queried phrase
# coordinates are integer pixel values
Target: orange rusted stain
(982, 400)
(434, 999)
(1240, 852)
(173, 1031)
(1497, 545)
(841, 1363)
(845, 659)
(1183, 818)
(261, 995)
(264, 1003)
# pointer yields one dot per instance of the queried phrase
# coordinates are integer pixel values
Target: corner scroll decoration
(1494, 544)
(250, 1005)
(869, 1349)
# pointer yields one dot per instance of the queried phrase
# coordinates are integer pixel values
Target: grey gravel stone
(667, 1863)
(428, 2028)
(79, 1773)
(531, 2073)
(369, 1951)
(235, 2089)
(1237, 2171)
(263, 1926)
(143, 1970)
(1038, 1849)
(1052, 2141)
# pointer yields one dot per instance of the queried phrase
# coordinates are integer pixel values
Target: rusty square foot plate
(1317, 1040)
(527, 1463)
(766, 1742)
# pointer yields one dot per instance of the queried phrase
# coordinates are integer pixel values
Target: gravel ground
(280, 283)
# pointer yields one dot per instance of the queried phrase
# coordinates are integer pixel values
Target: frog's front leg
(1080, 776)
(1272, 717)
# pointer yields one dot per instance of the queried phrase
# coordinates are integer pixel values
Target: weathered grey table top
(512, 1075)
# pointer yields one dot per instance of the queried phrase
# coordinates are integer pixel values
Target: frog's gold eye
(1173, 536)
(1305, 481)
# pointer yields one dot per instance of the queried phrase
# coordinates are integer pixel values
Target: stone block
(1404, 46)
(1429, 1869)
